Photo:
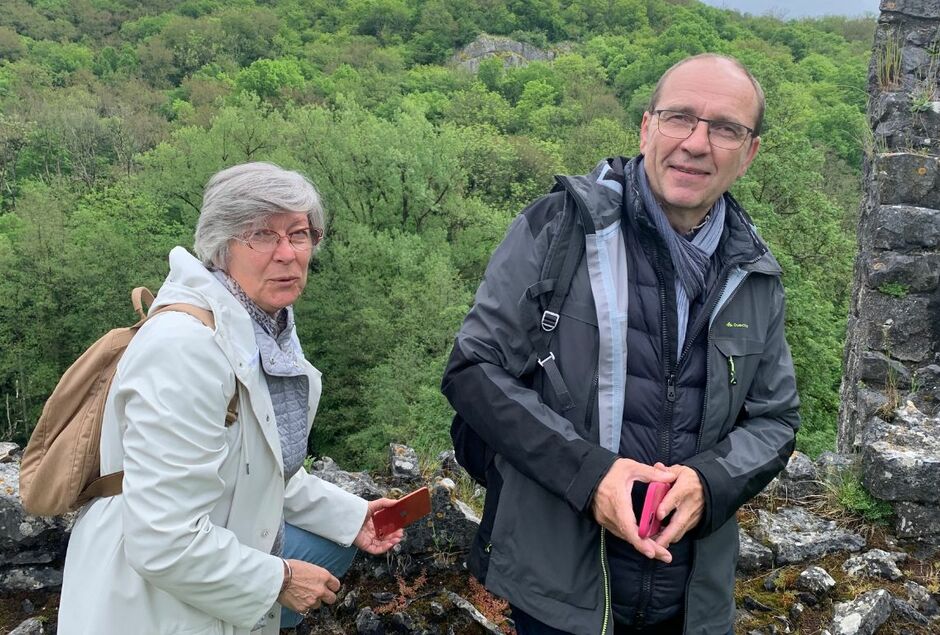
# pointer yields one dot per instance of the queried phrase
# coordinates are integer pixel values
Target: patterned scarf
(690, 258)
(273, 326)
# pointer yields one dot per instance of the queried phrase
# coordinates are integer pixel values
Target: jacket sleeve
(761, 441)
(323, 508)
(486, 380)
(173, 392)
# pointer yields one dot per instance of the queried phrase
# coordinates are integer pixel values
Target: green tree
(270, 79)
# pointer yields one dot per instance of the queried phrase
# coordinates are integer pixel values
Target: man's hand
(368, 540)
(686, 502)
(309, 587)
(613, 504)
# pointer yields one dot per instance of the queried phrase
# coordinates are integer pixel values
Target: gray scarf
(273, 326)
(690, 258)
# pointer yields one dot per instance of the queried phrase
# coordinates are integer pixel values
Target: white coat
(185, 550)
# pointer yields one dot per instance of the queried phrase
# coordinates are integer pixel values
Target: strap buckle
(550, 358)
(549, 320)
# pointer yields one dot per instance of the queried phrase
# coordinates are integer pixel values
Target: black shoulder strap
(564, 256)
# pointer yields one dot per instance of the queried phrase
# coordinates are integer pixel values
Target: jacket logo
(736, 325)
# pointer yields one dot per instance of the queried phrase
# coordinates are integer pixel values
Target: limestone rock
(511, 52)
(796, 612)
(8, 450)
(368, 623)
(358, 483)
(913, 8)
(918, 521)
(475, 615)
(24, 538)
(880, 370)
(875, 563)
(449, 464)
(796, 535)
(798, 479)
(450, 527)
(901, 459)
(909, 179)
(916, 273)
(815, 580)
(862, 616)
(753, 556)
(32, 626)
(833, 465)
(902, 325)
(902, 610)
(927, 378)
(403, 462)
(31, 579)
(920, 598)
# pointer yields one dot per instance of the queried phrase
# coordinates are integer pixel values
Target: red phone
(649, 523)
(405, 511)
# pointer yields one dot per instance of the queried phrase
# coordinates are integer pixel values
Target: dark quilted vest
(654, 428)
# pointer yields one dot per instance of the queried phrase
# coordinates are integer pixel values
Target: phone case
(649, 523)
(407, 510)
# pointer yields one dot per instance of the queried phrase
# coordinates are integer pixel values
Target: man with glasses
(666, 362)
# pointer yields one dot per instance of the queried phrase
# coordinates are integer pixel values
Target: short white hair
(242, 197)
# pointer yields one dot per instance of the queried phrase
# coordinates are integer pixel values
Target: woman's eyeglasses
(267, 240)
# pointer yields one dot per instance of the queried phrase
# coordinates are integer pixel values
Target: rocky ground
(807, 564)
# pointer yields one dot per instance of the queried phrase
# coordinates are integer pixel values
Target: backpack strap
(559, 274)
(142, 299)
(101, 487)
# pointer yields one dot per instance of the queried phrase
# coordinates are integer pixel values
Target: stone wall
(891, 388)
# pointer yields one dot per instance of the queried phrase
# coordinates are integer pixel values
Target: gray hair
(758, 91)
(242, 197)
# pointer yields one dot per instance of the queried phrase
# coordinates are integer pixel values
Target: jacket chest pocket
(740, 359)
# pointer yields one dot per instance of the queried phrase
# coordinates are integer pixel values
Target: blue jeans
(302, 545)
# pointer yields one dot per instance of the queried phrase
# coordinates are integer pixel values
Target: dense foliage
(113, 113)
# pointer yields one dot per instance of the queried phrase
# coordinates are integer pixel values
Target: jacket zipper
(606, 581)
(664, 450)
(589, 409)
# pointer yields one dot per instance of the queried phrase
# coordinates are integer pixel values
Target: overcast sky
(799, 8)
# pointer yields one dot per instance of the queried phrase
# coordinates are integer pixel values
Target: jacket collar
(610, 193)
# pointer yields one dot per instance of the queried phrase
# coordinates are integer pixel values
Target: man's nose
(697, 142)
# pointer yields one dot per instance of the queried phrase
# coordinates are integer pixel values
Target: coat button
(265, 533)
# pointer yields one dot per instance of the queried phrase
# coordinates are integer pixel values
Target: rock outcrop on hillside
(509, 51)
(801, 569)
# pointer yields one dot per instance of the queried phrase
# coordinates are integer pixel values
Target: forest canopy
(113, 114)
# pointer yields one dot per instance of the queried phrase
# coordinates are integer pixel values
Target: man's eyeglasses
(266, 240)
(722, 134)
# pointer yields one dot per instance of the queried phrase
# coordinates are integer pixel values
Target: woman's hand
(368, 540)
(309, 587)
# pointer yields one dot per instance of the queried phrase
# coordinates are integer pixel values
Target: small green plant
(852, 495)
(894, 289)
(920, 101)
(889, 63)
(469, 492)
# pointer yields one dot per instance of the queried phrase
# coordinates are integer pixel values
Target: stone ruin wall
(892, 356)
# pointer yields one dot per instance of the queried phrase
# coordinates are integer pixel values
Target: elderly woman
(218, 521)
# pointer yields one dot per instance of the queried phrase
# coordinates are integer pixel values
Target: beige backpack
(60, 470)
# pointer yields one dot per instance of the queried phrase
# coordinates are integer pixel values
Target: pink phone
(649, 523)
